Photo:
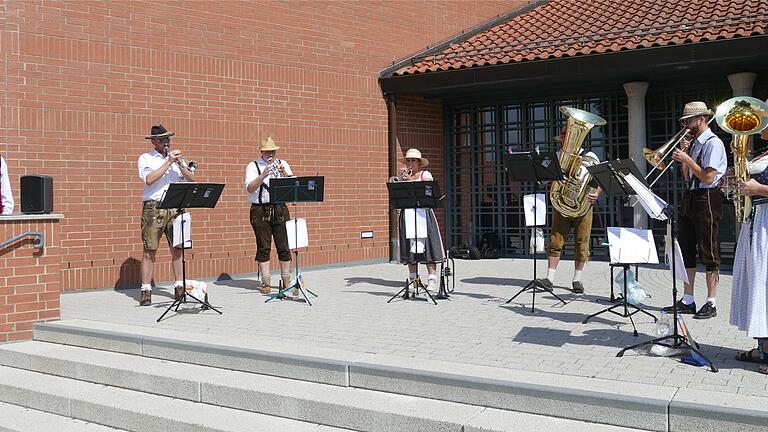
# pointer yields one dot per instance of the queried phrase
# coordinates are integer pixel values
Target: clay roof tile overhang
(572, 41)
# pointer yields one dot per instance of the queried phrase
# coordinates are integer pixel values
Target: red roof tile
(567, 28)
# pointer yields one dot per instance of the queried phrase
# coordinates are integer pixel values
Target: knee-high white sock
(576, 275)
(551, 274)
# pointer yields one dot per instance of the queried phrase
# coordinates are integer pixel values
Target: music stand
(635, 248)
(679, 341)
(609, 175)
(182, 196)
(292, 190)
(534, 167)
(414, 195)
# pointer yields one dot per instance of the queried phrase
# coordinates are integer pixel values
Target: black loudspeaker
(36, 194)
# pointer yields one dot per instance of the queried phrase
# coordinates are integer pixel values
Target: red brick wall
(86, 79)
(30, 280)
(420, 125)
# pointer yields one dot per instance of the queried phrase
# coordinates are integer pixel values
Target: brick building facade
(84, 81)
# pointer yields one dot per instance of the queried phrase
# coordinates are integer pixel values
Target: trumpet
(403, 175)
(191, 166)
(276, 167)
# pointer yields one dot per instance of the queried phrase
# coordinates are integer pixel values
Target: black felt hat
(159, 131)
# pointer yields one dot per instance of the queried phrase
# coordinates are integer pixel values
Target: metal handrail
(38, 243)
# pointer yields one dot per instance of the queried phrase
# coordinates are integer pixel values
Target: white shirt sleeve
(427, 176)
(5, 188)
(144, 168)
(250, 174)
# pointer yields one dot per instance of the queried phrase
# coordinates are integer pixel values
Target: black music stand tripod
(182, 196)
(414, 195)
(609, 175)
(678, 341)
(292, 190)
(535, 167)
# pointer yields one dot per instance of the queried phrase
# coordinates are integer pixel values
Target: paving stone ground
(352, 313)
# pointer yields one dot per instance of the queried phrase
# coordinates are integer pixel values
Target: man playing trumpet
(158, 168)
(703, 162)
(267, 219)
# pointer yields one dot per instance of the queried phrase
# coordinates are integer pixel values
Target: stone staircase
(93, 376)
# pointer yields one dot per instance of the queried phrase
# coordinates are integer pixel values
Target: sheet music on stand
(632, 246)
(652, 204)
(535, 203)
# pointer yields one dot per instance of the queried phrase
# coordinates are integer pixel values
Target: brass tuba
(570, 197)
(742, 116)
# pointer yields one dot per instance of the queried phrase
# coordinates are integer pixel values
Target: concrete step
(359, 410)
(632, 405)
(131, 410)
(14, 418)
(346, 407)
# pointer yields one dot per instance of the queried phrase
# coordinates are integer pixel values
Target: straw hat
(693, 109)
(268, 144)
(159, 131)
(414, 154)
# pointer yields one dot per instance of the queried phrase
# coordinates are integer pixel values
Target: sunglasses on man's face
(163, 140)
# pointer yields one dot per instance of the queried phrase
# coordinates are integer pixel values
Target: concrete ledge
(492, 420)
(621, 404)
(588, 399)
(130, 410)
(702, 411)
(293, 366)
(31, 217)
(60, 332)
(223, 355)
(14, 418)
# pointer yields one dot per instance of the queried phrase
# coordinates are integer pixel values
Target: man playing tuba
(561, 228)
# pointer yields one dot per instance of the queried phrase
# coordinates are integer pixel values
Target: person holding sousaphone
(429, 248)
(572, 199)
(267, 219)
(749, 297)
(703, 161)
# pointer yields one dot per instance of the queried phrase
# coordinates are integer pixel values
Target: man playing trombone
(703, 162)
(158, 168)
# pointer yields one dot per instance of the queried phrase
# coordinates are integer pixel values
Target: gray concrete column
(742, 82)
(637, 136)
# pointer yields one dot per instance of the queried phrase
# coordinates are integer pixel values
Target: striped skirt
(430, 251)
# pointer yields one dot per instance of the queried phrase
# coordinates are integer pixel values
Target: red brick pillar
(30, 277)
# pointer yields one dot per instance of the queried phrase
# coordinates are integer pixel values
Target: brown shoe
(265, 288)
(178, 291)
(145, 298)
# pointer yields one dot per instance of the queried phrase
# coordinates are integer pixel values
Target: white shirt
(251, 173)
(151, 161)
(713, 155)
(5, 188)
